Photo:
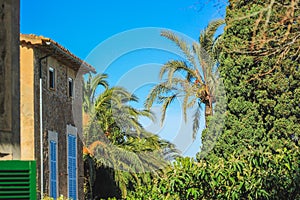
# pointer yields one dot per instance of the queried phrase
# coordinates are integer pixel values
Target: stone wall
(57, 114)
(9, 80)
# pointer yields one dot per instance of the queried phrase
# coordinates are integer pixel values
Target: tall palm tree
(199, 68)
(117, 140)
(119, 123)
(89, 89)
(90, 85)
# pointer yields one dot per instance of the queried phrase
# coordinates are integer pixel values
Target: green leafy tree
(199, 69)
(259, 63)
(260, 66)
(257, 155)
(247, 176)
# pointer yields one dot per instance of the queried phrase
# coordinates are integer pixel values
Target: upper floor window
(51, 78)
(70, 85)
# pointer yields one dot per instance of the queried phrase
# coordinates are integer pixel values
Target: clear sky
(122, 38)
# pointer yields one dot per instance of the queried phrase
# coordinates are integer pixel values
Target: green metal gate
(17, 179)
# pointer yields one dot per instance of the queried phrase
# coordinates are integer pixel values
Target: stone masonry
(9, 80)
(59, 109)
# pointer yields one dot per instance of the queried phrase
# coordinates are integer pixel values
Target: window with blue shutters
(72, 166)
(53, 164)
(53, 169)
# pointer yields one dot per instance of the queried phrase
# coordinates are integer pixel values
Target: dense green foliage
(259, 175)
(260, 68)
(257, 155)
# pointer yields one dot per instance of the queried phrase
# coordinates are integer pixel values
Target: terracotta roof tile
(50, 46)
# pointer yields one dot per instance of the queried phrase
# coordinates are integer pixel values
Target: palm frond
(189, 95)
(196, 122)
(158, 89)
(176, 66)
(147, 113)
(216, 48)
(182, 45)
(206, 38)
(200, 53)
(89, 88)
(166, 102)
(97, 80)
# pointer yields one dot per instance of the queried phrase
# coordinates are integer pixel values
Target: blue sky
(122, 38)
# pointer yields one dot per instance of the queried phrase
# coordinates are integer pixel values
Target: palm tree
(200, 76)
(133, 161)
(90, 87)
(112, 106)
(118, 141)
(116, 122)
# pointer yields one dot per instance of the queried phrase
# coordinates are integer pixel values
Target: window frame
(71, 93)
(53, 70)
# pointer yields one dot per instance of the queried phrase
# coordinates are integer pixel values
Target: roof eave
(56, 50)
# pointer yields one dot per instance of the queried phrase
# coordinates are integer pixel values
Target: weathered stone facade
(9, 80)
(59, 109)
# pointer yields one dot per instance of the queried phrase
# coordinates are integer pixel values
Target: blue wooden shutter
(72, 166)
(53, 170)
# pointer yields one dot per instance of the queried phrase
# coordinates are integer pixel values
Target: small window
(51, 78)
(70, 83)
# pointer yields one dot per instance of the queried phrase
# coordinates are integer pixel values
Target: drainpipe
(41, 124)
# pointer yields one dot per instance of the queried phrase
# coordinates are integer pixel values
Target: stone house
(51, 118)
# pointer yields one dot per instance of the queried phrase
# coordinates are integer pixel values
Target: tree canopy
(254, 152)
(257, 154)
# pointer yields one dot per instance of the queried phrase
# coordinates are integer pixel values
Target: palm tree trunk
(86, 119)
(85, 122)
(208, 112)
